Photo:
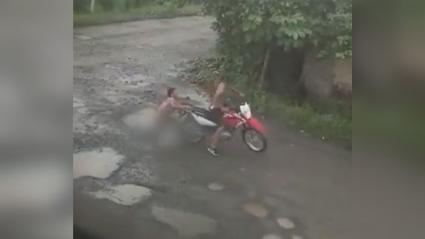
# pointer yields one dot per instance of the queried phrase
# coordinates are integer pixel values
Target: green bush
(134, 14)
(247, 27)
(81, 6)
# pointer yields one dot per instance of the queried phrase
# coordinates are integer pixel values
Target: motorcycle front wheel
(254, 140)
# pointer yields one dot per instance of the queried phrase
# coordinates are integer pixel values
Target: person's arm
(213, 100)
(218, 92)
(177, 105)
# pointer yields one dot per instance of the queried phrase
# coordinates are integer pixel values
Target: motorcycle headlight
(245, 110)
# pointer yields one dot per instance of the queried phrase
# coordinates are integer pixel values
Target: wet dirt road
(122, 189)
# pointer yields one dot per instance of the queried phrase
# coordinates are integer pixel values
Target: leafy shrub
(247, 27)
(81, 6)
(107, 5)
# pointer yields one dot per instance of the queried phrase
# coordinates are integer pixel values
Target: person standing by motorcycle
(217, 108)
(169, 104)
(163, 120)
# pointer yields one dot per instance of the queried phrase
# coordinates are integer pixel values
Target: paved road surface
(122, 189)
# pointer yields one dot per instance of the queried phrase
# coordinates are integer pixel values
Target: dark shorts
(217, 115)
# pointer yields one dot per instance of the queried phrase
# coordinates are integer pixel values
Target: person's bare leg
(216, 136)
(214, 141)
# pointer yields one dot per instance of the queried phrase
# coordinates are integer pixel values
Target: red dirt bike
(198, 122)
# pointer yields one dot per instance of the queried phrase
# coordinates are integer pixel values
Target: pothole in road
(98, 163)
(126, 194)
(285, 223)
(215, 186)
(256, 209)
(136, 172)
(271, 236)
(187, 224)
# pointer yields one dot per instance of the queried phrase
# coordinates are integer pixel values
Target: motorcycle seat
(205, 113)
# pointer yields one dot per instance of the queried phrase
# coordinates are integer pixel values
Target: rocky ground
(125, 189)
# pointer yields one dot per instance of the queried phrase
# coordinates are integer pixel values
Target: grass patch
(326, 125)
(331, 123)
(145, 12)
(396, 126)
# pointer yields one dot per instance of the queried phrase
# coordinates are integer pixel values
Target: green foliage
(246, 27)
(110, 11)
(133, 14)
(83, 6)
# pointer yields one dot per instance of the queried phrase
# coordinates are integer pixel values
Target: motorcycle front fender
(256, 124)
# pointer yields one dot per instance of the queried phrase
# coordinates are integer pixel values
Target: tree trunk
(92, 2)
(255, 73)
(265, 68)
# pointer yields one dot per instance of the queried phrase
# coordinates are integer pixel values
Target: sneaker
(213, 151)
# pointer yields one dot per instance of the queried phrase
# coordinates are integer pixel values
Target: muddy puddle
(271, 236)
(187, 224)
(215, 186)
(256, 209)
(99, 163)
(285, 223)
(126, 194)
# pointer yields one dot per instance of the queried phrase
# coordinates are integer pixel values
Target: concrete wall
(326, 79)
